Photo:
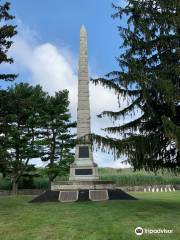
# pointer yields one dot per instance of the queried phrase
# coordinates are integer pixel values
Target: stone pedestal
(84, 167)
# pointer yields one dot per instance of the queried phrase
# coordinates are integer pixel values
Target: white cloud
(53, 68)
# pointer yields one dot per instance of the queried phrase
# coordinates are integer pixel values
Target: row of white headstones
(159, 189)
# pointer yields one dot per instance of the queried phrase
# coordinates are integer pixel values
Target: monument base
(73, 190)
(81, 185)
(91, 190)
(83, 195)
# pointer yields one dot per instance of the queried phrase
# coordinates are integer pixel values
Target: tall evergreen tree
(3, 140)
(7, 31)
(58, 139)
(20, 128)
(149, 76)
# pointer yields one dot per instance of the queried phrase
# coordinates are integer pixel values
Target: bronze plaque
(83, 171)
(98, 195)
(68, 196)
(83, 152)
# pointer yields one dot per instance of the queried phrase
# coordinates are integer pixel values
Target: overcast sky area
(46, 52)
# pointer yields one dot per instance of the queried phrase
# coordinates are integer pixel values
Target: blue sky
(46, 51)
(59, 21)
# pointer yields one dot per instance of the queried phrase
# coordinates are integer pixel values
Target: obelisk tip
(83, 29)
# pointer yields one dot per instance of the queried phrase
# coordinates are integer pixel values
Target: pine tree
(149, 77)
(3, 146)
(7, 31)
(58, 139)
(20, 127)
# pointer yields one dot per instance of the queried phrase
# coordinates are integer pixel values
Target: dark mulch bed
(52, 196)
(118, 194)
(48, 196)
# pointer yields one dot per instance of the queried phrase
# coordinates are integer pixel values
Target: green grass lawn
(111, 220)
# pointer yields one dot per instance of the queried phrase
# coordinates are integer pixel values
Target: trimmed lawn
(111, 220)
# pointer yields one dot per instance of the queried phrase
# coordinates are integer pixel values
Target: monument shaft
(84, 167)
(83, 111)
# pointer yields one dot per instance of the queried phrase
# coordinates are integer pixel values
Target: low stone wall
(177, 186)
(22, 192)
(5, 192)
(141, 188)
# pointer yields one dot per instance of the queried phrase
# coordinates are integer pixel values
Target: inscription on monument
(83, 171)
(83, 152)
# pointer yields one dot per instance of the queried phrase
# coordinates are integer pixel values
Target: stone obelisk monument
(84, 167)
(84, 183)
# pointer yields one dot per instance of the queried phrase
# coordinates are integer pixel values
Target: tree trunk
(49, 184)
(14, 187)
(4, 174)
